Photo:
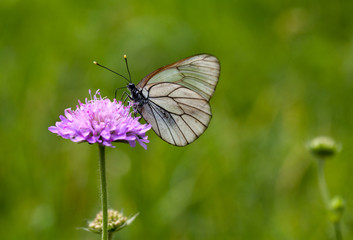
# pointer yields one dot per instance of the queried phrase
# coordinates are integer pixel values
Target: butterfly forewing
(178, 96)
(200, 73)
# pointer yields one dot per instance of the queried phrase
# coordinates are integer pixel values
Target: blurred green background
(286, 77)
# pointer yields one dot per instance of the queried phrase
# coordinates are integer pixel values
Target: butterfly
(174, 99)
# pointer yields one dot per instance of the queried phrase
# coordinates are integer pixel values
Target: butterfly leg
(116, 90)
(135, 113)
(127, 96)
(134, 108)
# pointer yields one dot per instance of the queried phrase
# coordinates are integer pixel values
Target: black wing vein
(171, 115)
(166, 123)
(155, 119)
(193, 108)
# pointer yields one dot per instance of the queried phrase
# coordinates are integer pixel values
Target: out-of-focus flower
(116, 221)
(337, 206)
(102, 121)
(323, 147)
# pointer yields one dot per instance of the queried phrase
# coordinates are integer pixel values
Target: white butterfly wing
(178, 95)
(199, 73)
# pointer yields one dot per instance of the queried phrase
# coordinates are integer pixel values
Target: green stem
(326, 196)
(338, 230)
(322, 184)
(103, 192)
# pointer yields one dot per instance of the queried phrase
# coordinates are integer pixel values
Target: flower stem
(103, 192)
(322, 184)
(338, 230)
(326, 196)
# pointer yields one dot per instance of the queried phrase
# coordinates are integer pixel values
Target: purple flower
(102, 121)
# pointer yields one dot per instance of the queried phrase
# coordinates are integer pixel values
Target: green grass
(286, 77)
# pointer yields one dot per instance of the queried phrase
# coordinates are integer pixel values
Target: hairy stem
(103, 192)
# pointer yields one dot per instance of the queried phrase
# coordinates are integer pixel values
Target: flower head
(116, 221)
(323, 147)
(102, 121)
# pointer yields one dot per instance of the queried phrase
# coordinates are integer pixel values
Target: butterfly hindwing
(177, 114)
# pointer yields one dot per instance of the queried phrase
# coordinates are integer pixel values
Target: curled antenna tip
(125, 56)
(95, 62)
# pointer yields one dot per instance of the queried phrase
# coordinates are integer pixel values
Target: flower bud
(337, 205)
(323, 147)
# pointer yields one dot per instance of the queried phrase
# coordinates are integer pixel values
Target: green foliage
(286, 77)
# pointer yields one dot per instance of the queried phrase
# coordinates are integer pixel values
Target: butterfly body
(136, 95)
(175, 98)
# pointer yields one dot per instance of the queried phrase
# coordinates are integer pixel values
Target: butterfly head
(131, 86)
(135, 93)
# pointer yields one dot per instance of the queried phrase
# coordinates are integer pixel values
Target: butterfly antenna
(112, 71)
(127, 67)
